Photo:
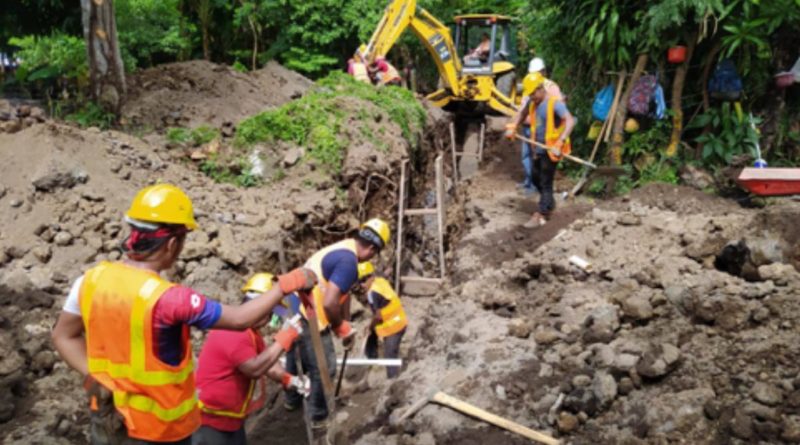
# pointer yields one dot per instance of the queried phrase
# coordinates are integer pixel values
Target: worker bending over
(336, 267)
(126, 329)
(551, 123)
(232, 367)
(388, 317)
(384, 73)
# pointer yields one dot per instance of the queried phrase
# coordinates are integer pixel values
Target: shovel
(548, 148)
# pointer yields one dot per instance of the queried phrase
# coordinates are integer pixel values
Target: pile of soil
(682, 331)
(190, 94)
(64, 191)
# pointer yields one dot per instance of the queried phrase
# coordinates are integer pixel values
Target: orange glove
(300, 279)
(511, 131)
(347, 334)
(557, 147)
(291, 330)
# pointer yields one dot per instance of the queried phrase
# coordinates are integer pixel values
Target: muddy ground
(683, 330)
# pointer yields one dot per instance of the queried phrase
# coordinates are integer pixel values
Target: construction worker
(388, 317)
(336, 267)
(126, 329)
(481, 52)
(384, 73)
(536, 65)
(357, 67)
(231, 366)
(551, 123)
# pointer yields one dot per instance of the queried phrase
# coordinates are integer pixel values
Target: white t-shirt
(72, 305)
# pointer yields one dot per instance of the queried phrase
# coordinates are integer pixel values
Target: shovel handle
(548, 148)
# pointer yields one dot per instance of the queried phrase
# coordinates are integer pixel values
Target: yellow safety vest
(552, 133)
(393, 314)
(360, 72)
(318, 293)
(157, 401)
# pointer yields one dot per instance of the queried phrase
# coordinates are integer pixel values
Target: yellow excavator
(472, 85)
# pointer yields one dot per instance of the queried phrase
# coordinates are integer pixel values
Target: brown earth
(190, 94)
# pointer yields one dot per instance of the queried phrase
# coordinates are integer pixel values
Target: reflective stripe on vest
(157, 401)
(318, 293)
(247, 407)
(551, 132)
(360, 72)
(393, 315)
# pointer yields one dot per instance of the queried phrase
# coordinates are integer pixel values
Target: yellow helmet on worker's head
(162, 204)
(365, 269)
(362, 50)
(531, 82)
(260, 282)
(375, 231)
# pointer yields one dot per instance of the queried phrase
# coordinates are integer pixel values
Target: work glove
(292, 328)
(556, 148)
(511, 131)
(301, 384)
(347, 334)
(300, 279)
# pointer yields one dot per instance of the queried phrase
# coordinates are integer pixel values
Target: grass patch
(196, 137)
(315, 121)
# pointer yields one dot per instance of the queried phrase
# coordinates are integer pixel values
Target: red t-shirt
(220, 384)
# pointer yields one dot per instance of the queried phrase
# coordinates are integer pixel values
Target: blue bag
(661, 104)
(725, 83)
(602, 103)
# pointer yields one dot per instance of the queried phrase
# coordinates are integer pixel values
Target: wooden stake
(453, 150)
(401, 204)
(440, 207)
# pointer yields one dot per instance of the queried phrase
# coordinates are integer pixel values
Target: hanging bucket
(677, 54)
(594, 130)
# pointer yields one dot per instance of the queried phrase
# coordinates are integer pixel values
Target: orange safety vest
(390, 75)
(157, 401)
(393, 315)
(360, 72)
(247, 407)
(318, 293)
(551, 132)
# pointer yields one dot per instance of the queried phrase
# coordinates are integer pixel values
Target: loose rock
(659, 361)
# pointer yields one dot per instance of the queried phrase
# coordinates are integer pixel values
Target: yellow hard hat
(260, 282)
(378, 227)
(162, 203)
(362, 50)
(531, 82)
(365, 269)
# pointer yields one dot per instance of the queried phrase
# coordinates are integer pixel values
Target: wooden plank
(410, 279)
(418, 212)
(615, 104)
(440, 206)
(472, 410)
(453, 150)
(482, 141)
(401, 204)
(319, 355)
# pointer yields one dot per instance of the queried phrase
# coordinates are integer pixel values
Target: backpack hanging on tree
(725, 83)
(642, 94)
(602, 103)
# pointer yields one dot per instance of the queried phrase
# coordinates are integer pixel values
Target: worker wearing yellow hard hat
(336, 267)
(389, 320)
(231, 371)
(126, 329)
(551, 123)
(357, 65)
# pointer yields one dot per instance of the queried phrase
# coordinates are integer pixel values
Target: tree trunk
(677, 96)
(255, 31)
(204, 14)
(622, 111)
(106, 73)
(709, 62)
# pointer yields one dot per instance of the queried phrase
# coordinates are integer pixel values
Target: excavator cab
(490, 33)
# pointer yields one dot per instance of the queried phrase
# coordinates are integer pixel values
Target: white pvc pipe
(372, 361)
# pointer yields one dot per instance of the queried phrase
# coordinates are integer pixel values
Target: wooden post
(453, 150)
(440, 207)
(482, 141)
(401, 205)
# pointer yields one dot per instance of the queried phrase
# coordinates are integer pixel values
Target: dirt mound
(190, 94)
(64, 191)
(653, 344)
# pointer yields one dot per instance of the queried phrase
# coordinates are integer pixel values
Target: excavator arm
(402, 14)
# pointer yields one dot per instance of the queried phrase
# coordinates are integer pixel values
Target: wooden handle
(416, 406)
(319, 354)
(458, 405)
(548, 148)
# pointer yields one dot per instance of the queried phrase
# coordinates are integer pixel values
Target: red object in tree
(676, 54)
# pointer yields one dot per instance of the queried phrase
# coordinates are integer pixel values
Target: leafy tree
(150, 31)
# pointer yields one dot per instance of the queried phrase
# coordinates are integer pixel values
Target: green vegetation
(236, 172)
(91, 115)
(195, 137)
(315, 121)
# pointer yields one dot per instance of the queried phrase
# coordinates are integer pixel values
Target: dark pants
(210, 436)
(544, 172)
(391, 349)
(318, 408)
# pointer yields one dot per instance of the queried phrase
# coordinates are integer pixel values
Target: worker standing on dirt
(552, 123)
(384, 73)
(126, 329)
(232, 367)
(388, 316)
(357, 67)
(336, 267)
